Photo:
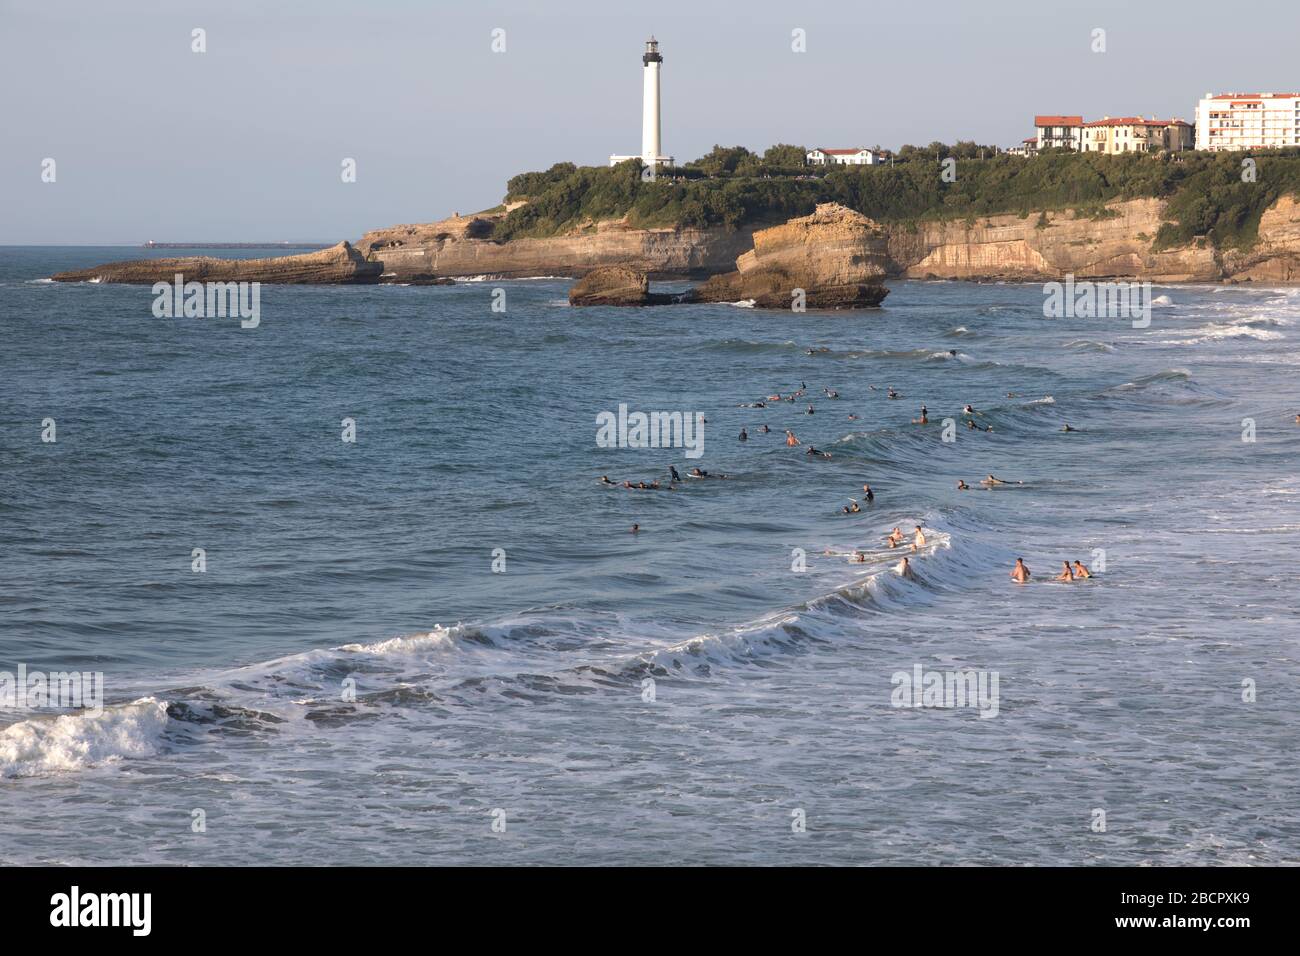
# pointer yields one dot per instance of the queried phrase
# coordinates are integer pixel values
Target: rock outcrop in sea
(832, 259)
(835, 258)
(339, 264)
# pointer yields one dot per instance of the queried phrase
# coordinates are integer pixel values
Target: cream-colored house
(1133, 134)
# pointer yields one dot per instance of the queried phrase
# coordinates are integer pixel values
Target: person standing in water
(790, 440)
(871, 495)
(904, 569)
(744, 435)
(1020, 573)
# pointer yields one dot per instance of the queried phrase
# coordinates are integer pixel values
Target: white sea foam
(75, 741)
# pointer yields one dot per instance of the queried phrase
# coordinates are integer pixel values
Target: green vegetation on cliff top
(733, 187)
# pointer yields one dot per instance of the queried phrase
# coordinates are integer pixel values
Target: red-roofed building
(1133, 134)
(851, 156)
(1248, 121)
(1058, 132)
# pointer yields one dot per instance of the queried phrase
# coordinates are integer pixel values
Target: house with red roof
(850, 156)
(1059, 132)
(1133, 134)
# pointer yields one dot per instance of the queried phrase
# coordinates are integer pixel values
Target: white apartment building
(1232, 121)
(855, 156)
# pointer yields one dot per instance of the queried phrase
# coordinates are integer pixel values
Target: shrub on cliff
(732, 187)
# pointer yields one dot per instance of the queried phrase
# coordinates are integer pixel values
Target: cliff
(832, 259)
(832, 247)
(836, 256)
(461, 247)
(339, 264)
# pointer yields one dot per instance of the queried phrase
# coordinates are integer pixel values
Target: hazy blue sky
(245, 141)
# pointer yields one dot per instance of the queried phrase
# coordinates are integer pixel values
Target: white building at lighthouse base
(658, 160)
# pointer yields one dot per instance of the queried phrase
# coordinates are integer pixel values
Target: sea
(357, 595)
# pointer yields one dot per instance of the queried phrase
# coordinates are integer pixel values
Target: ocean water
(337, 570)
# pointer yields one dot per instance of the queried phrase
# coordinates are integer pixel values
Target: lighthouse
(651, 128)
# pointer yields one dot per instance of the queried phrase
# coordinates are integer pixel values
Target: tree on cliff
(724, 160)
(783, 155)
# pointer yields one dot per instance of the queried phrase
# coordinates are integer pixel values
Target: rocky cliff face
(1049, 246)
(340, 264)
(832, 248)
(835, 258)
(436, 250)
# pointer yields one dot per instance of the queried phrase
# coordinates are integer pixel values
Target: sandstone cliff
(439, 249)
(823, 253)
(832, 259)
(337, 264)
(835, 257)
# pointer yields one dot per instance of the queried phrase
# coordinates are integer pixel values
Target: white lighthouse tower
(651, 128)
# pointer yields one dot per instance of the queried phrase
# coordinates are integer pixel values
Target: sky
(246, 141)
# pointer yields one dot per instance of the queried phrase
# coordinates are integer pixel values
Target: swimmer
(763, 429)
(1067, 428)
(871, 495)
(859, 557)
(919, 540)
(604, 480)
(636, 529)
(1066, 574)
(896, 536)
(904, 569)
(891, 393)
(970, 424)
(790, 440)
(1080, 572)
(923, 420)
(698, 473)
(744, 435)
(855, 507)
(1020, 573)
(810, 411)
(627, 484)
(992, 480)
(831, 393)
(962, 486)
(815, 452)
(968, 410)
(852, 417)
